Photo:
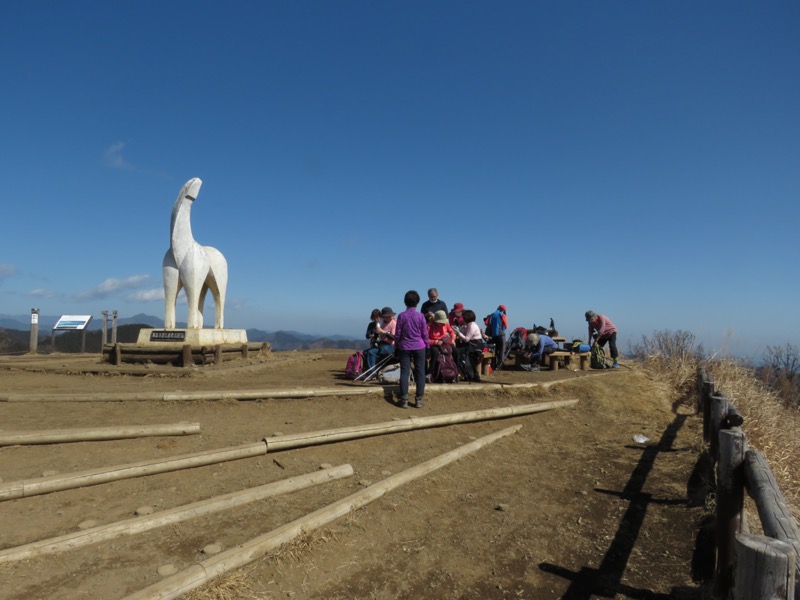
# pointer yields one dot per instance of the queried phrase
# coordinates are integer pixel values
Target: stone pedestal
(193, 337)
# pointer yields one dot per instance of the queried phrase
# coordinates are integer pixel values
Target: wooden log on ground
(764, 569)
(159, 358)
(101, 533)
(45, 485)
(202, 395)
(54, 483)
(299, 440)
(203, 572)
(773, 511)
(260, 394)
(87, 434)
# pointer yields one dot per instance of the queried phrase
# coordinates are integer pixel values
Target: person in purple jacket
(411, 342)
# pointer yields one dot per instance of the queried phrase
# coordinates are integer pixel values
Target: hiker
(537, 346)
(498, 323)
(439, 334)
(469, 346)
(603, 330)
(372, 333)
(411, 342)
(385, 331)
(432, 304)
(456, 316)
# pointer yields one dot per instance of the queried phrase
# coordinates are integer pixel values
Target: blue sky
(640, 159)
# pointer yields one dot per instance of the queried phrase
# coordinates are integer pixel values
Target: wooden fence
(748, 566)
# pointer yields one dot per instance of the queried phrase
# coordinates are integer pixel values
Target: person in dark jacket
(432, 304)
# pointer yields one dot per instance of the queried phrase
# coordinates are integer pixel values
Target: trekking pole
(372, 370)
(384, 361)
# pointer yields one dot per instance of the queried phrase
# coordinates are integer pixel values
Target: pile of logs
(182, 355)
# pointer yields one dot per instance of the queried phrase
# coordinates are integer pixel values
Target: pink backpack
(355, 365)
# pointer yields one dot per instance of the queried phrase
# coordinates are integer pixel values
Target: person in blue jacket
(537, 346)
(498, 323)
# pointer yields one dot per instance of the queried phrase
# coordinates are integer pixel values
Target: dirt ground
(570, 506)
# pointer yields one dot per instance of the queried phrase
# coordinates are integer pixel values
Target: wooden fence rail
(748, 567)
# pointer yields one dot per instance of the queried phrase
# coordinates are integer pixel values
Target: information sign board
(73, 322)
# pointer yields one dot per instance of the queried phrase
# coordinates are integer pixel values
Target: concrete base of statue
(192, 337)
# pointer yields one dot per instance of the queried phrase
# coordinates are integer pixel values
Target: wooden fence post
(718, 411)
(764, 569)
(186, 356)
(705, 389)
(730, 502)
(773, 512)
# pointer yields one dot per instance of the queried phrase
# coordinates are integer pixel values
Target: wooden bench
(486, 362)
(562, 358)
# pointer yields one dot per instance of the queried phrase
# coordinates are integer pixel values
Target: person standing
(603, 330)
(498, 323)
(432, 304)
(411, 343)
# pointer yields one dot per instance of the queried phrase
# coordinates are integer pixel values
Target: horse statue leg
(172, 286)
(217, 282)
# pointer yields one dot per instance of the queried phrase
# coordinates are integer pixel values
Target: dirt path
(568, 507)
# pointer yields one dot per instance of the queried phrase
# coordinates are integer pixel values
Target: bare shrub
(781, 372)
(672, 357)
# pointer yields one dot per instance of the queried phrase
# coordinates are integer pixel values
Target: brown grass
(234, 586)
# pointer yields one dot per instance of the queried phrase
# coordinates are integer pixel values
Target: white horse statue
(190, 266)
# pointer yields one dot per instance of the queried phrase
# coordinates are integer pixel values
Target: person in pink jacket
(603, 330)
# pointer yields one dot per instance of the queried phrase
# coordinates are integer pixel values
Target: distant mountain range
(18, 329)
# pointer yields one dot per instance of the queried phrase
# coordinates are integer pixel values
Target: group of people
(422, 338)
(425, 337)
(602, 331)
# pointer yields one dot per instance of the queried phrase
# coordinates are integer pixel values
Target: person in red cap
(456, 317)
(498, 323)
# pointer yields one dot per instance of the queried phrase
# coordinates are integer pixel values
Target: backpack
(579, 346)
(598, 358)
(355, 365)
(446, 370)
